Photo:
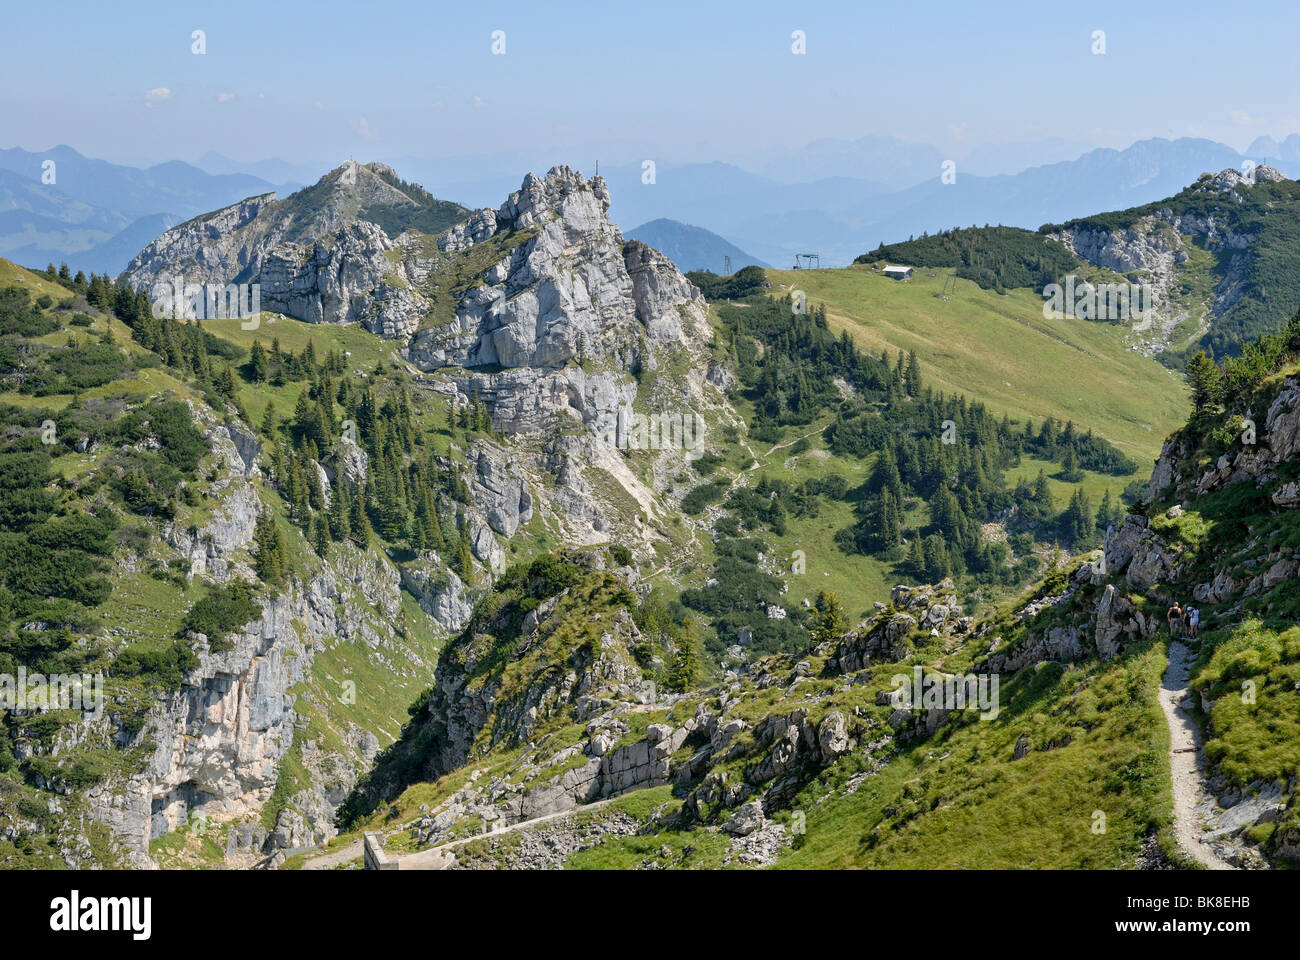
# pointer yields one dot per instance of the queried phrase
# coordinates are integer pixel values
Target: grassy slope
(954, 800)
(959, 800)
(12, 274)
(999, 350)
(147, 611)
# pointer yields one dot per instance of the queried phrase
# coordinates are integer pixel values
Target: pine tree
(684, 672)
(827, 622)
(256, 367)
(1205, 380)
(358, 522)
(270, 559)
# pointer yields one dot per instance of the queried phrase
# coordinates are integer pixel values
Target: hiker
(1175, 617)
(1193, 621)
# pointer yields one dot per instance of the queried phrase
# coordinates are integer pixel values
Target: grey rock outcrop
(313, 256)
(1154, 247)
(564, 315)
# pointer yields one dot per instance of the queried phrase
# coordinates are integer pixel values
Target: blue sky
(688, 81)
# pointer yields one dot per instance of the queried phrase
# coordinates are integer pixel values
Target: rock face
(582, 347)
(1276, 440)
(585, 344)
(887, 635)
(214, 748)
(315, 256)
(221, 737)
(1155, 246)
(218, 741)
(564, 316)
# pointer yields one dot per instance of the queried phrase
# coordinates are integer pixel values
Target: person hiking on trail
(1175, 617)
(1193, 621)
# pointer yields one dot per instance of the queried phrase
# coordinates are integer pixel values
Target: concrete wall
(375, 858)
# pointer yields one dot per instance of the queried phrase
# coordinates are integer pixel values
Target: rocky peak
(567, 312)
(1229, 180)
(563, 193)
(344, 250)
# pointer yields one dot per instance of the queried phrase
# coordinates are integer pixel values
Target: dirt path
(443, 856)
(335, 858)
(788, 443)
(1187, 761)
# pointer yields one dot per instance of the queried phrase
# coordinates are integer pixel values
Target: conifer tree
(270, 559)
(1205, 380)
(916, 557)
(827, 622)
(358, 522)
(256, 367)
(684, 672)
(339, 520)
(320, 535)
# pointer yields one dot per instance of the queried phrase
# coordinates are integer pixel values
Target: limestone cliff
(1163, 244)
(345, 250)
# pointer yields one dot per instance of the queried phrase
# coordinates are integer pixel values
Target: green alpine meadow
(706, 438)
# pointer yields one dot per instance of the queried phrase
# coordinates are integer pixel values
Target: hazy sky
(615, 80)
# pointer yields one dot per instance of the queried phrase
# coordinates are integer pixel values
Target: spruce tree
(268, 421)
(684, 671)
(913, 377)
(256, 367)
(358, 522)
(1205, 380)
(270, 559)
(1070, 467)
(916, 558)
(339, 522)
(320, 535)
(827, 622)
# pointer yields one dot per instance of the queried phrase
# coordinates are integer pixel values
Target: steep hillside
(140, 515)
(346, 249)
(1001, 350)
(280, 522)
(1220, 255)
(547, 743)
(1216, 259)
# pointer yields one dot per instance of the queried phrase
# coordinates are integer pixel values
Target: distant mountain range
(96, 215)
(692, 248)
(840, 217)
(837, 198)
(274, 170)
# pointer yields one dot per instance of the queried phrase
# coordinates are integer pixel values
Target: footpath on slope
(442, 857)
(1193, 801)
(335, 858)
